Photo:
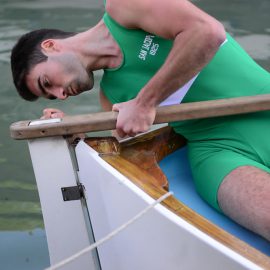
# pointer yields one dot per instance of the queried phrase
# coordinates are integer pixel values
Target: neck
(96, 48)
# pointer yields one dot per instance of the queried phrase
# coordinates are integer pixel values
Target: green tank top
(231, 73)
(143, 54)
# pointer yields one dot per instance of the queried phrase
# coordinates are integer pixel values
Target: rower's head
(41, 66)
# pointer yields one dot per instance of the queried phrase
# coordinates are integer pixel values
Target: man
(156, 53)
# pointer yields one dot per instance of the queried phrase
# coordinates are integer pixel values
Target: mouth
(76, 89)
(71, 91)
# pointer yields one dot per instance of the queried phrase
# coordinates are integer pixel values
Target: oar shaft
(107, 120)
(213, 108)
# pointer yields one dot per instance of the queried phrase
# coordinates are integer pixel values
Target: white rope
(110, 235)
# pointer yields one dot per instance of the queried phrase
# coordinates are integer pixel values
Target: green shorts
(229, 143)
(219, 145)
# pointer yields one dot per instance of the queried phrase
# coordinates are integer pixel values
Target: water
(22, 238)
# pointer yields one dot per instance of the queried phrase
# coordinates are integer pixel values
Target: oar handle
(107, 120)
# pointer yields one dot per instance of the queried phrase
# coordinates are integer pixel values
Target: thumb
(116, 107)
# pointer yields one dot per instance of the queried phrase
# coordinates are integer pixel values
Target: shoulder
(124, 12)
(164, 18)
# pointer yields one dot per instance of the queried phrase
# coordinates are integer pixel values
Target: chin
(87, 86)
(91, 85)
(91, 81)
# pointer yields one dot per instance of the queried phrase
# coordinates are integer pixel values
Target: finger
(131, 134)
(123, 132)
(56, 115)
(52, 113)
(46, 115)
(48, 111)
(120, 133)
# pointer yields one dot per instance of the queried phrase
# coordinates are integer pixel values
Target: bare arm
(107, 106)
(104, 102)
(196, 35)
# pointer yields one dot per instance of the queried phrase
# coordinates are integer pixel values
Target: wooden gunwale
(70, 125)
(116, 156)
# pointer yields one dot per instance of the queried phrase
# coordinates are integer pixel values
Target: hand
(133, 118)
(52, 113)
(49, 113)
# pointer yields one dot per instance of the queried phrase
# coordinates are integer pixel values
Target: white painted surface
(179, 94)
(65, 224)
(160, 240)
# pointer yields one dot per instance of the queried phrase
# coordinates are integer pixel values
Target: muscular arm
(196, 35)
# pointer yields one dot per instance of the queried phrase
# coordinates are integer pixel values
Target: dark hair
(27, 53)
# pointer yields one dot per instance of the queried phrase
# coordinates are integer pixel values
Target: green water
(22, 237)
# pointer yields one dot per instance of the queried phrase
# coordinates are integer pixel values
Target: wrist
(146, 99)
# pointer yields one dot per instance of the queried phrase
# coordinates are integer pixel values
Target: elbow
(214, 34)
(218, 33)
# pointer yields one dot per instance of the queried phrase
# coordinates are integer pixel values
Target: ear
(50, 45)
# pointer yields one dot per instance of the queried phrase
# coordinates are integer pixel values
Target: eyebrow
(44, 91)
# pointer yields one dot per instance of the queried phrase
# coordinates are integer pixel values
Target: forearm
(191, 51)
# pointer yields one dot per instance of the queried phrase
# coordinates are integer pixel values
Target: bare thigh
(244, 196)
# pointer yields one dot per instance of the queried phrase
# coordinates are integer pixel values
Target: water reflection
(258, 46)
(28, 253)
(19, 202)
(17, 182)
(8, 34)
(18, 17)
(49, 4)
(247, 22)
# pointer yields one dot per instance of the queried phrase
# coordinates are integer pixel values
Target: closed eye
(45, 94)
(46, 83)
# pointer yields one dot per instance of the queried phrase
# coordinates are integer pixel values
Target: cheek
(59, 75)
(69, 68)
(69, 64)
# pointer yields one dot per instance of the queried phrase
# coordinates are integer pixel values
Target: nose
(60, 93)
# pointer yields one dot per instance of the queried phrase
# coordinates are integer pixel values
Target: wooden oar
(107, 120)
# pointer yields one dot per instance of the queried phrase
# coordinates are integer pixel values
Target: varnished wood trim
(140, 154)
